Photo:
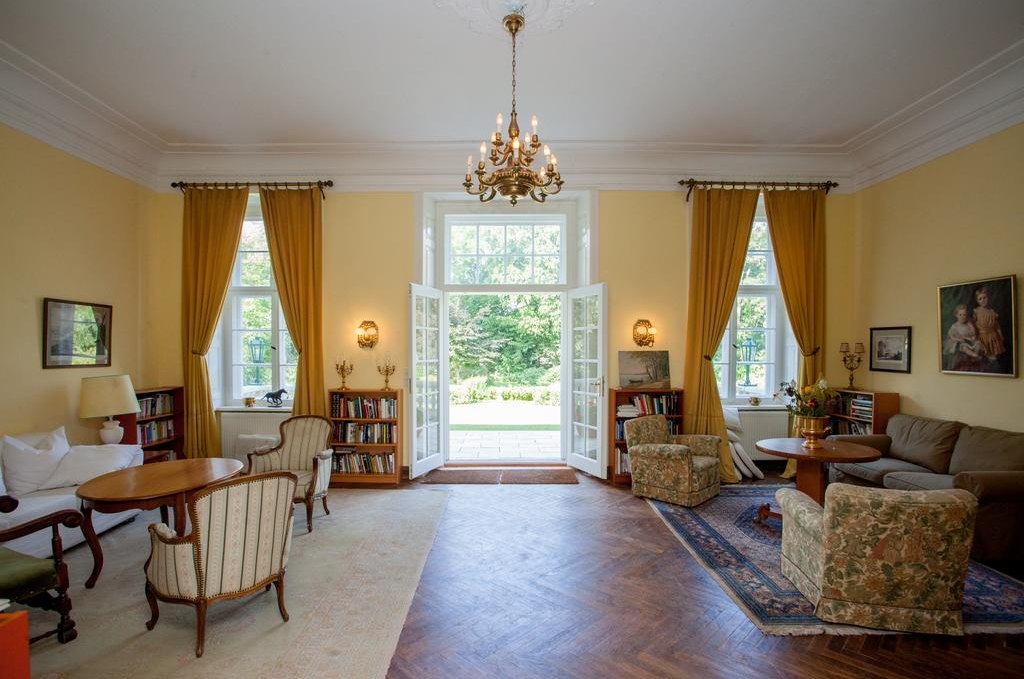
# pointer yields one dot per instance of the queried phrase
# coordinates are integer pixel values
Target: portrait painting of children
(977, 327)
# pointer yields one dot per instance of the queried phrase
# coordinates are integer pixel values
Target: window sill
(747, 406)
(256, 409)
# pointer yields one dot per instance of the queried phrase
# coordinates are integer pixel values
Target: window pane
(492, 239)
(463, 239)
(290, 355)
(751, 346)
(287, 380)
(721, 355)
(251, 380)
(255, 269)
(546, 270)
(520, 239)
(252, 347)
(547, 239)
(759, 236)
(755, 270)
(255, 313)
(463, 270)
(719, 378)
(492, 270)
(753, 312)
(751, 380)
(520, 270)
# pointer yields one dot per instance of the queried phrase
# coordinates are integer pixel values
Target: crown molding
(983, 101)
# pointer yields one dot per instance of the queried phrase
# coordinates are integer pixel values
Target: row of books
(623, 460)
(365, 408)
(358, 432)
(152, 406)
(648, 404)
(348, 461)
(154, 431)
(620, 429)
(848, 427)
(859, 406)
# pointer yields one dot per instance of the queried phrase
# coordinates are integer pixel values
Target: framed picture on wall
(977, 327)
(76, 334)
(643, 370)
(890, 349)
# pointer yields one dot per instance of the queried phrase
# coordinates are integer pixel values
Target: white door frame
(417, 355)
(595, 386)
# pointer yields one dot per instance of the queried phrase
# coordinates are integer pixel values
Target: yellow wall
(957, 218)
(69, 231)
(160, 251)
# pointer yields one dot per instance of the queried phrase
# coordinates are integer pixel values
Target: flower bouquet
(810, 405)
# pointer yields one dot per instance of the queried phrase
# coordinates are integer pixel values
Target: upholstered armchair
(28, 579)
(874, 557)
(305, 450)
(681, 469)
(241, 536)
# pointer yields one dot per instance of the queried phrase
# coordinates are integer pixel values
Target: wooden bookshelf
(160, 426)
(864, 412)
(667, 402)
(367, 438)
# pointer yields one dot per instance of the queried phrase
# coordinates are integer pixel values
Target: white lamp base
(112, 432)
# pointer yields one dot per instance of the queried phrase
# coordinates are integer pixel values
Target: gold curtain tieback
(707, 358)
(813, 352)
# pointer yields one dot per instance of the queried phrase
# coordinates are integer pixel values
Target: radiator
(762, 423)
(234, 423)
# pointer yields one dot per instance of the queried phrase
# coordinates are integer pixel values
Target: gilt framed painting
(977, 327)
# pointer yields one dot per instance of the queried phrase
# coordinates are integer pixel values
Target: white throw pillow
(27, 466)
(3, 488)
(87, 462)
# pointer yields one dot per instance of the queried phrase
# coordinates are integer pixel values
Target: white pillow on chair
(27, 466)
(87, 462)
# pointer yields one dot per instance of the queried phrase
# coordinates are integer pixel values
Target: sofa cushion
(876, 471)
(87, 462)
(28, 466)
(918, 481)
(37, 504)
(923, 441)
(980, 449)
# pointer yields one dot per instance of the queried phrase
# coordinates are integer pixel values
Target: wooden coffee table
(811, 469)
(148, 486)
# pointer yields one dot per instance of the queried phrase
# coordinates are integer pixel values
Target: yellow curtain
(294, 221)
(718, 245)
(212, 228)
(796, 220)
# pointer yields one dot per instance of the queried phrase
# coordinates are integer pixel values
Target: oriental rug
(744, 558)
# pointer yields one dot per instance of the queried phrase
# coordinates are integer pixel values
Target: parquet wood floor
(585, 582)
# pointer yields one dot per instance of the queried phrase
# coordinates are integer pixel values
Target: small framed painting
(76, 334)
(890, 349)
(643, 370)
(977, 327)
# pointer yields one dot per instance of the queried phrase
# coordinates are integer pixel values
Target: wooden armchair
(28, 579)
(305, 451)
(241, 536)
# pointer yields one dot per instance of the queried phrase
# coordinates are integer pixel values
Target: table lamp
(105, 397)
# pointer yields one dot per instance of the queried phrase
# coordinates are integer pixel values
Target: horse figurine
(274, 397)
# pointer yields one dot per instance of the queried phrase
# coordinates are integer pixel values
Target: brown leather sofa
(920, 453)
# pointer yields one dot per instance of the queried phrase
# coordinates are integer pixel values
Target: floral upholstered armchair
(305, 450)
(681, 469)
(874, 557)
(239, 544)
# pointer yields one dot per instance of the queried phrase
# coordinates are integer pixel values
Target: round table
(811, 470)
(148, 486)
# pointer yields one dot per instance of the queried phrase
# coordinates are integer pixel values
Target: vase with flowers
(810, 406)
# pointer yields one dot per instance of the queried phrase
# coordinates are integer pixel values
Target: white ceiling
(807, 78)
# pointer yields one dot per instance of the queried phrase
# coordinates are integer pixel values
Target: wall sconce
(367, 334)
(851, 359)
(643, 333)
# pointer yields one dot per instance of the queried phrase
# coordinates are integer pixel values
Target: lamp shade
(106, 396)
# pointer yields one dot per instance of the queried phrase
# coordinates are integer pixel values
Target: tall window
(758, 350)
(253, 353)
(502, 250)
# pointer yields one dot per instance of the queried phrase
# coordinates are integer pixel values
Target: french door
(428, 362)
(585, 404)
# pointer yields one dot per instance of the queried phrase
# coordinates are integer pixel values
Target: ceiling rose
(485, 16)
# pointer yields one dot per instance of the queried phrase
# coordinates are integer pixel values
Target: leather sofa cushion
(980, 449)
(876, 471)
(918, 481)
(923, 441)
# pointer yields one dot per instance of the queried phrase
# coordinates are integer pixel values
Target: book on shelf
(156, 405)
(148, 432)
(841, 427)
(364, 432)
(620, 429)
(350, 461)
(623, 459)
(654, 404)
(626, 410)
(362, 407)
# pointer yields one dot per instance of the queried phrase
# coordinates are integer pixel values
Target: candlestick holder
(344, 369)
(852, 359)
(387, 370)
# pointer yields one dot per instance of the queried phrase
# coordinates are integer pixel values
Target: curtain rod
(320, 184)
(707, 183)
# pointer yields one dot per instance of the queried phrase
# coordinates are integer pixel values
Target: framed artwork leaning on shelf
(643, 370)
(977, 327)
(890, 349)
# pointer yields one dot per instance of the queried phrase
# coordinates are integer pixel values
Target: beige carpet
(348, 588)
(537, 475)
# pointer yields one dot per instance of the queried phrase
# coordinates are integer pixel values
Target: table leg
(179, 514)
(811, 478)
(94, 546)
(163, 515)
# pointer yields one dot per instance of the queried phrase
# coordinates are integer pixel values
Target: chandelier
(511, 158)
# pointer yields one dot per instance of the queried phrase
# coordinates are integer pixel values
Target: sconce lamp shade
(643, 333)
(105, 397)
(844, 347)
(858, 348)
(367, 334)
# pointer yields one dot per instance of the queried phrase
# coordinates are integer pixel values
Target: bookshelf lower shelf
(379, 479)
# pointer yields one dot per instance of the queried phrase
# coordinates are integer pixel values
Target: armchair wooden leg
(200, 627)
(154, 607)
(279, 584)
(323, 499)
(309, 515)
(66, 627)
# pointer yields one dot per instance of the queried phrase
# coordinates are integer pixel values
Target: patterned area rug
(502, 476)
(744, 558)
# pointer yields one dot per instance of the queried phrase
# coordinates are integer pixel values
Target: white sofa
(78, 463)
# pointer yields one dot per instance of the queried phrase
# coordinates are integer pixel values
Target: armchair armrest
(265, 460)
(879, 442)
(1001, 486)
(667, 450)
(72, 518)
(705, 445)
(171, 568)
(322, 463)
(166, 535)
(801, 509)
